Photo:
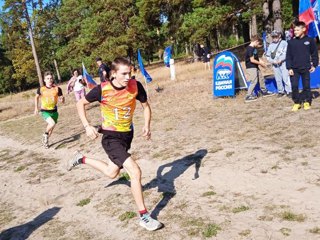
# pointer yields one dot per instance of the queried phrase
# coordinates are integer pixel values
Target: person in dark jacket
(301, 59)
(103, 71)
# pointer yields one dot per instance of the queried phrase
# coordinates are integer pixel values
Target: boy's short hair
(255, 38)
(300, 24)
(119, 61)
(46, 73)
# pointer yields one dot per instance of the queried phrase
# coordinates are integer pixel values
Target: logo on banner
(224, 75)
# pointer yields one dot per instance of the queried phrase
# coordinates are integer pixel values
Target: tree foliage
(76, 31)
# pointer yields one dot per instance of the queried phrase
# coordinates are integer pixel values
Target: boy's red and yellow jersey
(117, 106)
(49, 97)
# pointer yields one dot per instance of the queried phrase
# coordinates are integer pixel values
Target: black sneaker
(280, 95)
(267, 94)
(250, 98)
(289, 95)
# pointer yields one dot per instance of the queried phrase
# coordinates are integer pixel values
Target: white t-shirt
(77, 85)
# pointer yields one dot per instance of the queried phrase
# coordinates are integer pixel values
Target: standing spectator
(49, 96)
(205, 56)
(302, 59)
(254, 74)
(276, 55)
(103, 71)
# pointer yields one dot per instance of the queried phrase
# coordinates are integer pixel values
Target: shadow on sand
(165, 181)
(64, 141)
(23, 231)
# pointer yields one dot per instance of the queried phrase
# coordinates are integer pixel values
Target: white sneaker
(75, 161)
(149, 223)
(45, 140)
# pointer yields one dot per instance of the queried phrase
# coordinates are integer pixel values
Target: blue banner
(167, 56)
(224, 75)
(142, 70)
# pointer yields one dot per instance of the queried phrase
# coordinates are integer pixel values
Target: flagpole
(317, 28)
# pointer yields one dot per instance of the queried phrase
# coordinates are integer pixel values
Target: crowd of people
(292, 59)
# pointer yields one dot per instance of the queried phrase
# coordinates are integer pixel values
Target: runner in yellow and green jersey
(49, 95)
(117, 99)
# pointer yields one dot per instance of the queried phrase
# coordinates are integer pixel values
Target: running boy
(302, 59)
(117, 99)
(253, 72)
(49, 96)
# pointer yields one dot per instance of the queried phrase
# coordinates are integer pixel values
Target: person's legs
(261, 81)
(134, 172)
(286, 78)
(295, 87)
(278, 77)
(109, 169)
(51, 119)
(252, 76)
(82, 93)
(77, 94)
(306, 95)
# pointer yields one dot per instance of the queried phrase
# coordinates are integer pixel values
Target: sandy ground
(214, 169)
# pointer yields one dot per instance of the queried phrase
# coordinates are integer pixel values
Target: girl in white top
(77, 85)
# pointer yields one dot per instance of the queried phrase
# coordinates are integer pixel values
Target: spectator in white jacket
(276, 55)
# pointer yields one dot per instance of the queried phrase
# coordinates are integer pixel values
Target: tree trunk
(254, 30)
(34, 52)
(266, 17)
(57, 70)
(235, 32)
(187, 49)
(276, 9)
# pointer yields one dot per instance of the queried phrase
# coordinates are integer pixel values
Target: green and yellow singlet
(49, 98)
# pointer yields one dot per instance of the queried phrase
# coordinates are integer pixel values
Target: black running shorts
(116, 145)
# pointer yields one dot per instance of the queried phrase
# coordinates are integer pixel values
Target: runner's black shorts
(116, 145)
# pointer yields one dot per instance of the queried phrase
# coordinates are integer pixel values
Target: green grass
(19, 169)
(209, 193)
(315, 230)
(211, 230)
(240, 209)
(127, 216)
(290, 216)
(124, 177)
(245, 232)
(83, 202)
(285, 231)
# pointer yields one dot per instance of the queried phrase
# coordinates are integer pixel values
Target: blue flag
(143, 71)
(167, 56)
(312, 30)
(264, 39)
(90, 82)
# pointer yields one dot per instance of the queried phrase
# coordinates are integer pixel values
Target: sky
(1, 4)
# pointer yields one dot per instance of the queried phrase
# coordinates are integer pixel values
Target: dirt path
(216, 169)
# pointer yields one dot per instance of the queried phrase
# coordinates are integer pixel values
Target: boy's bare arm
(147, 120)
(90, 130)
